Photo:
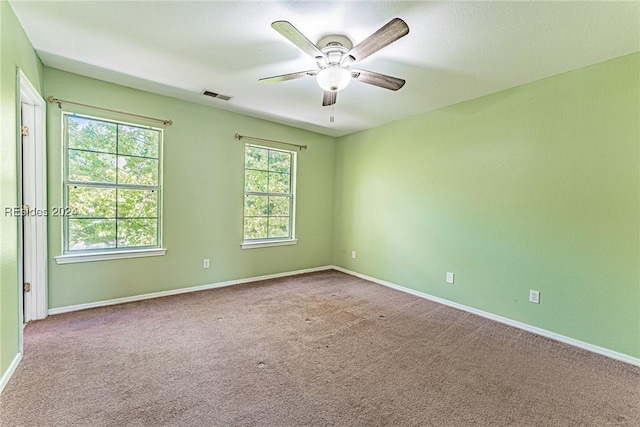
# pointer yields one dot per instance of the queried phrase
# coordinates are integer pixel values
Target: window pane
(137, 203)
(267, 171)
(278, 226)
(256, 205)
(255, 181)
(279, 161)
(92, 167)
(87, 134)
(279, 206)
(256, 158)
(91, 234)
(135, 141)
(278, 183)
(137, 232)
(255, 228)
(134, 170)
(92, 201)
(102, 157)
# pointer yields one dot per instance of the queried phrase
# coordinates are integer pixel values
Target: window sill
(268, 243)
(104, 256)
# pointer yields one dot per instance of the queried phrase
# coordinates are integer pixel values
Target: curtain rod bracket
(53, 100)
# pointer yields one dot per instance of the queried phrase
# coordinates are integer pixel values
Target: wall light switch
(449, 277)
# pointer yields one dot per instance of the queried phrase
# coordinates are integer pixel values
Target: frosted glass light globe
(334, 78)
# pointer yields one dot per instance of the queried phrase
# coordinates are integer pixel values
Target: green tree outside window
(268, 194)
(112, 185)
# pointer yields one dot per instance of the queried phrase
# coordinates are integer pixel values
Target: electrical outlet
(534, 297)
(205, 263)
(353, 254)
(449, 277)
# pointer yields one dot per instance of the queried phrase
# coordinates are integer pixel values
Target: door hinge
(26, 287)
(24, 130)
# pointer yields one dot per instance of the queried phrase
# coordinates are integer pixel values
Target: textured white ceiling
(455, 51)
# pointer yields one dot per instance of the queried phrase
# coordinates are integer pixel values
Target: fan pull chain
(333, 110)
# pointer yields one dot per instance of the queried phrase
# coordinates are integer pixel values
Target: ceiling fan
(335, 55)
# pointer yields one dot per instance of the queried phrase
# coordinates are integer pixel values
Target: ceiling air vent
(216, 95)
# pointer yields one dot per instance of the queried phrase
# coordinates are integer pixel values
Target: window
(269, 191)
(112, 191)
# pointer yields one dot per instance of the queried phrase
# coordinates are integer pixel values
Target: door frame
(34, 164)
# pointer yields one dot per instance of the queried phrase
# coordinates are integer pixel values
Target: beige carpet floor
(322, 349)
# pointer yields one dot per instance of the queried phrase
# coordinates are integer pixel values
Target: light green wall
(15, 52)
(203, 197)
(536, 187)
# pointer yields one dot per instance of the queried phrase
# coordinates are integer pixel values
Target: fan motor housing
(335, 42)
(334, 47)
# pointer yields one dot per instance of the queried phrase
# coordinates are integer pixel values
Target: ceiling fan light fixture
(334, 78)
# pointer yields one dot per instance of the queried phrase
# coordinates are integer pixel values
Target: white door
(29, 210)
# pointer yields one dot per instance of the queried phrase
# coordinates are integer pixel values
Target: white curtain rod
(53, 100)
(253, 138)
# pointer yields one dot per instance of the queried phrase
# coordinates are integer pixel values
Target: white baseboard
(123, 300)
(9, 373)
(567, 340)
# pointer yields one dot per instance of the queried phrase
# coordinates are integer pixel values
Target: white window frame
(88, 255)
(268, 242)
